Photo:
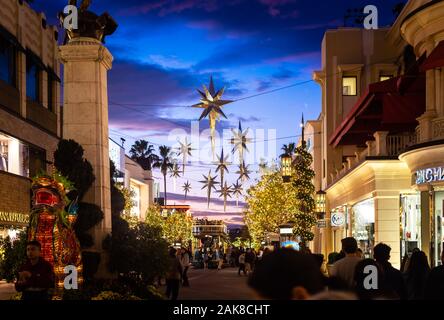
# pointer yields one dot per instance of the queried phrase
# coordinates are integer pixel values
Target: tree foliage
(164, 163)
(271, 202)
(70, 162)
(175, 227)
(137, 249)
(143, 153)
(12, 255)
(304, 218)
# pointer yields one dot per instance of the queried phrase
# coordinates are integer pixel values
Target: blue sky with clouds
(166, 49)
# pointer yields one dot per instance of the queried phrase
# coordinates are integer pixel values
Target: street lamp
(286, 162)
(321, 203)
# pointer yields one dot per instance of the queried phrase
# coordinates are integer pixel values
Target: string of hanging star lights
(300, 83)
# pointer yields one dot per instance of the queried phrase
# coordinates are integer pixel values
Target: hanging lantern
(321, 203)
(286, 171)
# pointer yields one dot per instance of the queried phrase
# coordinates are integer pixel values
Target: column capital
(85, 49)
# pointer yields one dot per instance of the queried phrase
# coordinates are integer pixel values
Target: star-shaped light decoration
(175, 173)
(244, 172)
(209, 183)
(225, 192)
(237, 191)
(240, 141)
(222, 166)
(212, 103)
(187, 188)
(184, 150)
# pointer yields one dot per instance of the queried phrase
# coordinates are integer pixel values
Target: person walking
(416, 276)
(36, 276)
(435, 283)
(242, 264)
(393, 279)
(205, 259)
(173, 276)
(185, 263)
(344, 269)
(249, 260)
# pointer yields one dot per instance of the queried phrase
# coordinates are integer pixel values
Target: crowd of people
(289, 274)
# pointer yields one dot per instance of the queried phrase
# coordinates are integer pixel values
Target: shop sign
(430, 175)
(337, 219)
(322, 224)
(14, 217)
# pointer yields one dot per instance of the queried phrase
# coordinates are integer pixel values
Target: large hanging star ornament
(225, 192)
(184, 150)
(222, 166)
(212, 103)
(187, 188)
(209, 183)
(240, 141)
(175, 173)
(244, 172)
(237, 191)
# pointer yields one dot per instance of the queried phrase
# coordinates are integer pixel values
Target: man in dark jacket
(435, 283)
(393, 280)
(35, 277)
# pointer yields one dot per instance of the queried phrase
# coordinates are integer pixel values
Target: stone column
(387, 224)
(85, 120)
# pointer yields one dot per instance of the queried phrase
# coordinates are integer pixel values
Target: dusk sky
(166, 49)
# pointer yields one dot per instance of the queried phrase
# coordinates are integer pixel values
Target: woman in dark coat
(416, 275)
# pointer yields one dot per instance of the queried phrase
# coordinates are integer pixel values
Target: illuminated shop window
(349, 86)
(364, 225)
(439, 226)
(410, 223)
(19, 158)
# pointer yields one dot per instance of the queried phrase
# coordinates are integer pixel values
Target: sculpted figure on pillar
(89, 24)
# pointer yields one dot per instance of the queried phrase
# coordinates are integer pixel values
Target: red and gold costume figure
(52, 226)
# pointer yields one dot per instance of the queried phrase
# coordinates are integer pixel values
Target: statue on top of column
(89, 24)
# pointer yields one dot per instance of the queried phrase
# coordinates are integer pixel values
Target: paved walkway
(212, 284)
(6, 290)
(207, 284)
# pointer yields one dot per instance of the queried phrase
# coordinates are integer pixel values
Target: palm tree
(165, 163)
(143, 153)
(289, 149)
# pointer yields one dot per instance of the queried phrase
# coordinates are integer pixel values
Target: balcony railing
(384, 146)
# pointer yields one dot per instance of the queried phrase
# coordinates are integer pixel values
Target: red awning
(392, 105)
(435, 59)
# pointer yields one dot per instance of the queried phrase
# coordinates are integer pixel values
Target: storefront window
(363, 227)
(410, 223)
(439, 226)
(19, 158)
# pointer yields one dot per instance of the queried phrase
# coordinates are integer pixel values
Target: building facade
(381, 134)
(29, 107)
(131, 175)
